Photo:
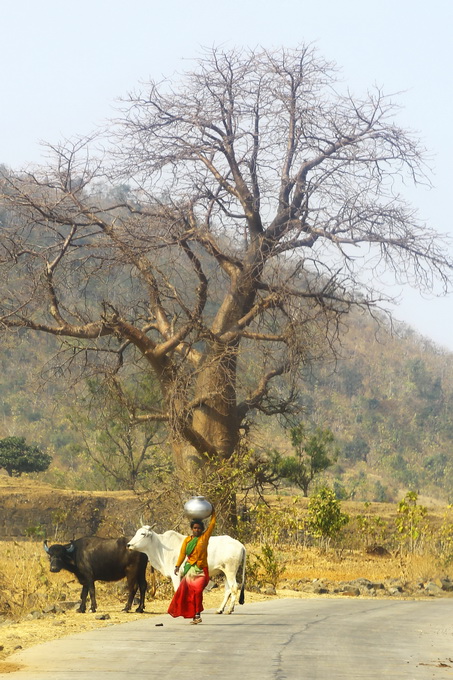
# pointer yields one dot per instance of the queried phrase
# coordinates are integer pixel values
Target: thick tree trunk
(216, 419)
(187, 462)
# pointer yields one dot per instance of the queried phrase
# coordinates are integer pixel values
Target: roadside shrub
(273, 526)
(372, 529)
(445, 538)
(411, 523)
(325, 519)
(266, 568)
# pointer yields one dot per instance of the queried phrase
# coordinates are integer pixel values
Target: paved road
(315, 639)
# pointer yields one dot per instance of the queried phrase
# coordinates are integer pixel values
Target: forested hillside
(388, 400)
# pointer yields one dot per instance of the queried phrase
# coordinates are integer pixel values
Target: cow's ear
(70, 548)
(46, 547)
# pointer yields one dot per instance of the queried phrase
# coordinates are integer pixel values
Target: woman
(188, 599)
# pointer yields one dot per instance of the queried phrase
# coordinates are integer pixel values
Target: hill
(389, 402)
(387, 398)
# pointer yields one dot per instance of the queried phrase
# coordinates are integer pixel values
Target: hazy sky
(65, 63)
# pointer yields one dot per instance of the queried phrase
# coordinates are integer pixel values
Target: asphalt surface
(327, 639)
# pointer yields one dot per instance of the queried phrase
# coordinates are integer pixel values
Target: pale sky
(65, 63)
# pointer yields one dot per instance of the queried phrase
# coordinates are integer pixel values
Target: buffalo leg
(135, 581)
(132, 590)
(92, 596)
(83, 597)
(143, 587)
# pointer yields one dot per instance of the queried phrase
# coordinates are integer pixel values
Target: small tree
(311, 456)
(411, 521)
(445, 537)
(372, 528)
(17, 457)
(128, 456)
(325, 519)
(267, 568)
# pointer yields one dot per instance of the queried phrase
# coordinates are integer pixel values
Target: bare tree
(127, 456)
(257, 203)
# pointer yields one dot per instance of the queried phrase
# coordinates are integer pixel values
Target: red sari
(188, 599)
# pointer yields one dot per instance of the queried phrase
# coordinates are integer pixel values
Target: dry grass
(312, 564)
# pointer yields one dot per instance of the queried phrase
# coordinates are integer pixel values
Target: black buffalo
(93, 559)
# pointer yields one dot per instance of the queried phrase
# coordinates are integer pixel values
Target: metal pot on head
(198, 507)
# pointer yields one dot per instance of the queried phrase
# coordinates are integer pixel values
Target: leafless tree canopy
(236, 217)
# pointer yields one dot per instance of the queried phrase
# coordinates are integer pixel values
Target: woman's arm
(182, 554)
(211, 525)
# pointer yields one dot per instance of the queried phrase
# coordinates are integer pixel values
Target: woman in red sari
(188, 599)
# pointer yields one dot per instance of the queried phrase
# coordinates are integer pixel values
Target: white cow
(225, 554)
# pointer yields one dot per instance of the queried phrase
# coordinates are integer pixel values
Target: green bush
(325, 519)
(266, 569)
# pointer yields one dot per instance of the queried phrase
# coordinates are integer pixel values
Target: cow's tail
(242, 593)
(153, 582)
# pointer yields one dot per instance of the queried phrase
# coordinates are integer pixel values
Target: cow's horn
(70, 548)
(46, 547)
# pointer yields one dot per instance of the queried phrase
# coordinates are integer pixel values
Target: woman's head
(197, 527)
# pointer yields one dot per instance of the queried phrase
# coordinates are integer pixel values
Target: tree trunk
(216, 419)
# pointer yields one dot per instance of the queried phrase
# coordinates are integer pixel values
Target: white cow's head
(142, 535)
